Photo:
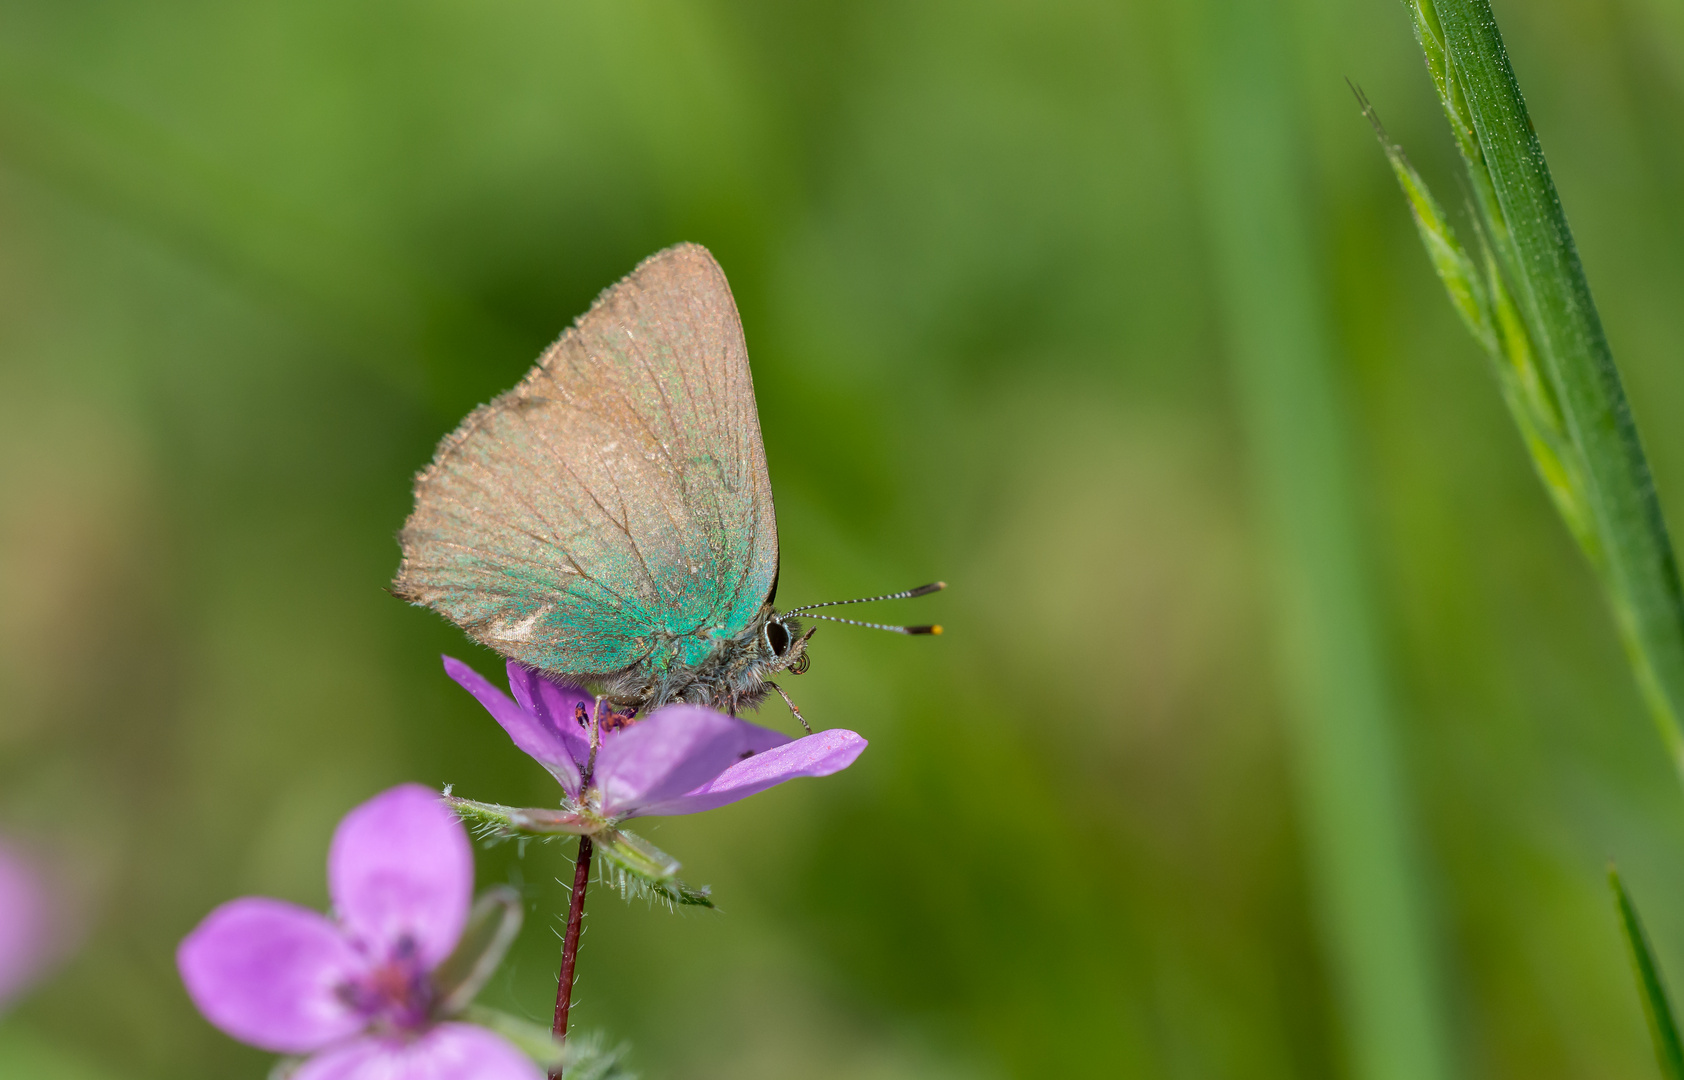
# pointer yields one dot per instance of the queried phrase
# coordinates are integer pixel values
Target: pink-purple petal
(819, 754)
(544, 743)
(401, 869)
(267, 973)
(27, 929)
(447, 1052)
(555, 707)
(678, 749)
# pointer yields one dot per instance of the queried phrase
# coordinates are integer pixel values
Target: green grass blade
(1656, 1006)
(1352, 800)
(1461, 275)
(1481, 296)
(1558, 372)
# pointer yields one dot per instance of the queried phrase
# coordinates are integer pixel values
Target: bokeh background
(256, 258)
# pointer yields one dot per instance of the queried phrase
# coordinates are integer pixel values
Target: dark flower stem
(576, 903)
(570, 943)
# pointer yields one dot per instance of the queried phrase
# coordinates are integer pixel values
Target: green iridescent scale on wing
(613, 511)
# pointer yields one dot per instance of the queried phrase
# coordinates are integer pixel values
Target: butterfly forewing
(614, 508)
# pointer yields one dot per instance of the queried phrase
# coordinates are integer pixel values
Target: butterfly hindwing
(614, 508)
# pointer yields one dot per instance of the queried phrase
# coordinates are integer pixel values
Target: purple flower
(681, 759)
(28, 930)
(356, 992)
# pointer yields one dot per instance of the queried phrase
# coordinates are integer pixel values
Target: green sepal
(626, 861)
(533, 1040)
(1669, 1050)
(639, 870)
(496, 820)
(587, 1058)
(635, 855)
(581, 1057)
(493, 925)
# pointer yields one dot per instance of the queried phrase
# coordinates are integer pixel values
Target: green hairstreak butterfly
(609, 520)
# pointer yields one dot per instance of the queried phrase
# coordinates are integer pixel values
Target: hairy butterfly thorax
(738, 673)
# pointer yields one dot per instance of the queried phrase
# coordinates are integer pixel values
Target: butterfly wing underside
(614, 508)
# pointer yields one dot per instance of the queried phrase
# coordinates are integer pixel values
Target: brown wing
(614, 508)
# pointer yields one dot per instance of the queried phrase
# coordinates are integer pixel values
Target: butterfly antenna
(922, 590)
(931, 629)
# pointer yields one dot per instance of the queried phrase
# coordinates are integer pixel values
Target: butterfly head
(785, 645)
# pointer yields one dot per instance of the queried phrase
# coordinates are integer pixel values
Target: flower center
(609, 719)
(397, 994)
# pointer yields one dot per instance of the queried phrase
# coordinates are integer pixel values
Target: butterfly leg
(792, 707)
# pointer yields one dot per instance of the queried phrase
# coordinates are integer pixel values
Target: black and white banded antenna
(907, 594)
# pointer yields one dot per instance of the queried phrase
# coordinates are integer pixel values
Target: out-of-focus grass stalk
(1356, 821)
(1662, 1027)
(1527, 302)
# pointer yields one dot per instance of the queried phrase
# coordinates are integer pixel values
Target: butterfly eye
(777, 638)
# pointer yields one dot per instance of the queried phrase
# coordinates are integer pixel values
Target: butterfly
(609, 521)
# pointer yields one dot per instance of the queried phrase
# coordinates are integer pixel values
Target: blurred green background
(256, 258)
